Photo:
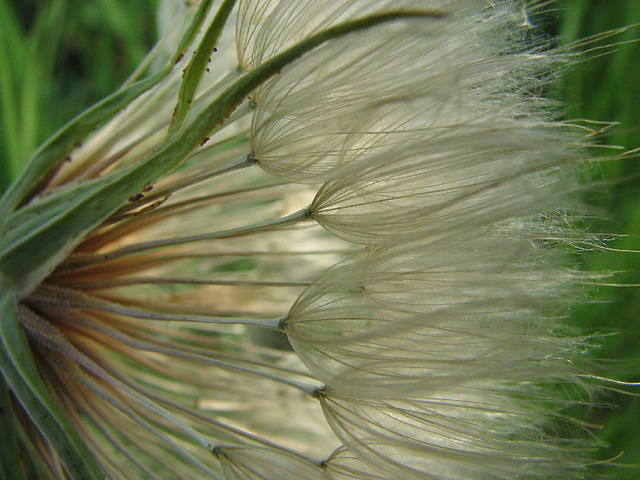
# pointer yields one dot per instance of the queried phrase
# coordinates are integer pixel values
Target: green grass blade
(12, 47)
(41, 50)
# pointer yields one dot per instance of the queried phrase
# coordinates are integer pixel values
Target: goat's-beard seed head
(355, 273)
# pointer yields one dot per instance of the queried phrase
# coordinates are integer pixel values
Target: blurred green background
(59, 56)
(607, 88)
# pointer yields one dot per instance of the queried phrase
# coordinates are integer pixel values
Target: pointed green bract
(191, 32)
(46, 232)
(195, 69)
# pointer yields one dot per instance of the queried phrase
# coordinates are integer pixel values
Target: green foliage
(606, 88)
(57, 58)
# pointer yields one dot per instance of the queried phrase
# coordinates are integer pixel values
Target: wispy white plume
(354, 269)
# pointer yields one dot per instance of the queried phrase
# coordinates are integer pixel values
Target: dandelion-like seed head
(319, 241)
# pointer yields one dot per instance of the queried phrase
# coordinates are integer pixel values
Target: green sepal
(198, 64)
(33, 241)
(193, 29)
(23, 379)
